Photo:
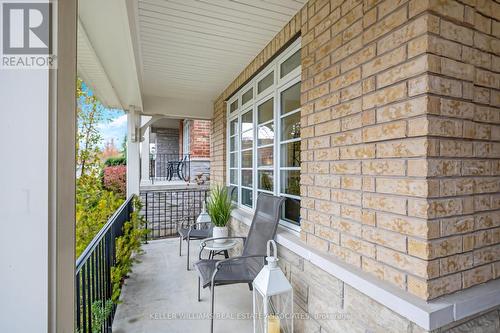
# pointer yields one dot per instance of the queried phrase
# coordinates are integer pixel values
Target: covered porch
(376, 120)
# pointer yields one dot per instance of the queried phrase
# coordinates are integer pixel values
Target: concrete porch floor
(160, 287)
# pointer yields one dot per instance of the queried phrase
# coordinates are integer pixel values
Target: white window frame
(274, 91)
(186, 137)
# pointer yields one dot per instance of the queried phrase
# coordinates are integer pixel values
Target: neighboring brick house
(400, 161)
(188, 137)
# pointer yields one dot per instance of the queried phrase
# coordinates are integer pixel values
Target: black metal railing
(166, 210)
(93, 270)
(168, 167)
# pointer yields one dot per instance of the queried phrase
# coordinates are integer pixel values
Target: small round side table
(219, 248)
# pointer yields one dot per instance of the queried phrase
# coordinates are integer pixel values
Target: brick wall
(200, 138)
(400, 126)
(400, 137)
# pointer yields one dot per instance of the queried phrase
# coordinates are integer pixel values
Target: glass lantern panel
(273, 314)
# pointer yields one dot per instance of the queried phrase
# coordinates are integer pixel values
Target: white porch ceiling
(185, 52)
(194, 48)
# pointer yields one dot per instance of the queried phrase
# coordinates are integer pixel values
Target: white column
(133, 153)
(37, 177)
(145, 153)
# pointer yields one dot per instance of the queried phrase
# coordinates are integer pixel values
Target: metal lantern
(203, 217)
(272, 297)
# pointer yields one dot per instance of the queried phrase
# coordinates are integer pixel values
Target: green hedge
(114, 161)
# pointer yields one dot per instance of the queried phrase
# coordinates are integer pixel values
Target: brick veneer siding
(200, 138)
(400, 137)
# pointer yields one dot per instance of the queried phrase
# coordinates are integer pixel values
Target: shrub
(115, 179)
(114, 161)
(94, 206)
(126, 246)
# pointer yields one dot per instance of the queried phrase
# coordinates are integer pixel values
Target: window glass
(246, 139)
(247, 96)
(291, 211)
(246, 159)
(246, 178)
(234, 127)
(290, 64)
(290, 154)
(247, 197)
(265, 134)
(247, 121)
(290, 126)
(233, 143)
(235, 196)
(265, 83)
(234, 106)
(290, 99)
(265, 111)
(233, 179)
(266, 181)
(290, 182)
(265, 156)
(233, 160)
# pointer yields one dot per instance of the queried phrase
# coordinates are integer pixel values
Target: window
(264, 136)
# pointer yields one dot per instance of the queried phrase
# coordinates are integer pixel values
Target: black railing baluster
(77, 307)
(84, 300)
(147, 221)
(93, 270)
(167, 210)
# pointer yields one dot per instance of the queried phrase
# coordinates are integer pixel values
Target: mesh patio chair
(242, 269)
(197, 230)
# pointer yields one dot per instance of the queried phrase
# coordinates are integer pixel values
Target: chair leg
(199, 289)
(212, 289)
(180, 246)
(187, 265)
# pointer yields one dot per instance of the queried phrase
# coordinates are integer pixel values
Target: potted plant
(219, 208)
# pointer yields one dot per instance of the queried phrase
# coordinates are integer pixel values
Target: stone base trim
(428, 315)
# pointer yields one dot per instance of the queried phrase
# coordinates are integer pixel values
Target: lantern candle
(273, 324)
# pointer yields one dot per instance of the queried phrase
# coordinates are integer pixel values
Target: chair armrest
(204, 242)
(200, 223)
(197, 224)
(194, 226)
(225, 261)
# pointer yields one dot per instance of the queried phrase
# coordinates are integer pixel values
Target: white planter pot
(220, 232)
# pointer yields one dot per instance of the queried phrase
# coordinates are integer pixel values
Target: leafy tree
(90, 114)
(94, 205)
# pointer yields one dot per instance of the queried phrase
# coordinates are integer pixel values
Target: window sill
(428, 315)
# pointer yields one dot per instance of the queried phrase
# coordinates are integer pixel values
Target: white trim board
(428, 315)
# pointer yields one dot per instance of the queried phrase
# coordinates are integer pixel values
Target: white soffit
(90, 70)
(193, 49)
(107, 30)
